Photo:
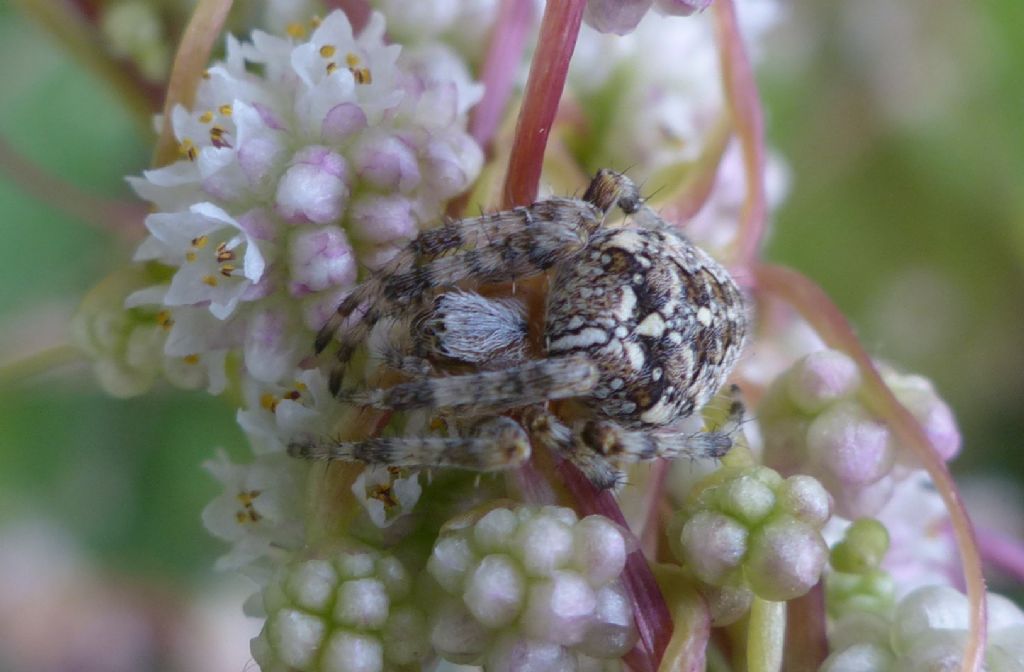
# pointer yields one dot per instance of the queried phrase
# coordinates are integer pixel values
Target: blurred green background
(903, 127)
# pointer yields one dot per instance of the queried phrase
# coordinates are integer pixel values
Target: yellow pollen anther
(206, 117)
(199, 242)
(293, 395)
(191, 359)
(362, 75)
(296, 30)
(327, 50)
(226, 270)
(331, 67)
(188, 149)
(206, 74)
(224, 110)
(247, 498)
(315, 21)
(190, 256)
(351, 60)
(210, 280)
(163, 318)
(382, 493)
(224, 254)
(268, 402)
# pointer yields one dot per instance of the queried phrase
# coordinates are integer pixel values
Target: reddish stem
(202, 31)
(357, 11)
(806, 641)
(558, 32)
(500, 66)
(653, 619)
(745, 106)
(815, 307)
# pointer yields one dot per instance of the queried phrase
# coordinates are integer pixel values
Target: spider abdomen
(663, 322)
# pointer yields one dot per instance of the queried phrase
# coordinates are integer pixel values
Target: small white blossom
(332, 157)
(259, 511)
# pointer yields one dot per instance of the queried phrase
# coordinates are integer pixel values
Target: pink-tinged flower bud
(387, 163)
(495, 591)
(261, 149)
(320, 259)
(713, 545)
(681, 7)
(513, 653)
(850, 445)
(456, 633)
(452, 165)
(786, 559)
(805, 499)
(342, 121)
(272, 348)
(559, 609)
(544, 544)
(599, 550)
(614, 633)
(935, 416)
(615, 16)
(314, 188)
(746, 498)
(383, 219)
(820, 379)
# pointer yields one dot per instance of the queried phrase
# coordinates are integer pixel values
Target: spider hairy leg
(552, 434)
(494, 444)
(530, 382)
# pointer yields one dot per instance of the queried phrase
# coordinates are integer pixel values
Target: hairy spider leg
(530, 382)
(495, 443)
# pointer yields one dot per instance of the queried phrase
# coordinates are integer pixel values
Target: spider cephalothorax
(641, 329)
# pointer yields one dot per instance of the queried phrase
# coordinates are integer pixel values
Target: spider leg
(548, 431)
(612, 441)
(495, 443)
(530, 382)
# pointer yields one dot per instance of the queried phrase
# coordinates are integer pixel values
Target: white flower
(259, 511)
(385, 495)
(337, 152)
(216, 260)
(275, 414)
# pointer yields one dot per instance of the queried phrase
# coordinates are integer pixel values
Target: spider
(641, 330)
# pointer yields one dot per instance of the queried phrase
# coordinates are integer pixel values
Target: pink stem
(357, 11)
(558, 32)
(1002, 552)
(806, 642)
(653, 619)
(745, 106)
(500, 66)
(194, 48)
(815, 307)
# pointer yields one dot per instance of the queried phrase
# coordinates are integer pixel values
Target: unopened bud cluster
(532, 583)
(927, 630)
(748, 530)
(815, 423)
(347, 611)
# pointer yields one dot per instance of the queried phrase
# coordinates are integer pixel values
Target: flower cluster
(927, 630)
(746, 531)
(814, 423)
(531, 583)
(348, 610)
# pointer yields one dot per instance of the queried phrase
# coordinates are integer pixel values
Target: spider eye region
(663, 322)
